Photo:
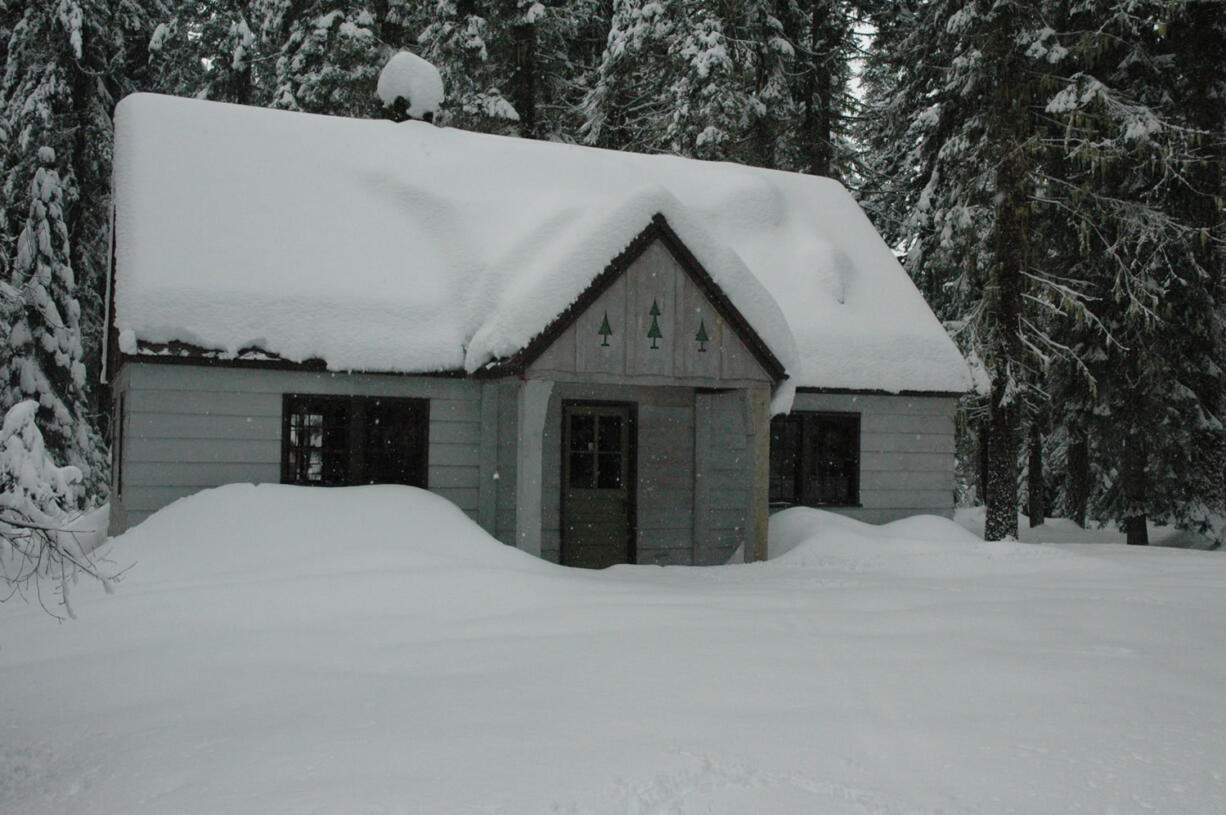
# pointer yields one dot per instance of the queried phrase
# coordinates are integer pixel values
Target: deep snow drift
(369, 650)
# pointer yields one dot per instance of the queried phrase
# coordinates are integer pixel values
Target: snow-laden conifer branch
(37, 549)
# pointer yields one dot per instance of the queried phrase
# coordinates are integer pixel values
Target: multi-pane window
(333, 441)
(815, 459)
(596, 450)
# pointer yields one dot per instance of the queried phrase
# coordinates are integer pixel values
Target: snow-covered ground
(369, 650)
(1062, 530)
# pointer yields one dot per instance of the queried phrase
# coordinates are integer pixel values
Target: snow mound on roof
(396, 247)
(409, 77)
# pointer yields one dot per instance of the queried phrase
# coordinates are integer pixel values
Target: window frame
(808, 423)
(356, 438)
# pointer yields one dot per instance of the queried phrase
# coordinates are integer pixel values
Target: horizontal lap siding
(906, 452)
(193, 427)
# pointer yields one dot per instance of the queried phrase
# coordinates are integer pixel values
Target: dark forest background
(1052, 173)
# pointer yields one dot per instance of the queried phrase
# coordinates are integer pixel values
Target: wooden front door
(597, 485)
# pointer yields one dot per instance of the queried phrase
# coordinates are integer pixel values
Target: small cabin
(601, 357)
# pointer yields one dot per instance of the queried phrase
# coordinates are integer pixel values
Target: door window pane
(582, 432)
(609, 476)
(610, 437)
(582, 470)
(596, 450)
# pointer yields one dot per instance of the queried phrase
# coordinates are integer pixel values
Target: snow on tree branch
(36, 550)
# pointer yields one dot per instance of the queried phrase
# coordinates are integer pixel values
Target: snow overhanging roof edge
(430, 244)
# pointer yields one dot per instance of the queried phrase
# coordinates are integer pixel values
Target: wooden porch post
(533, 405)
(760, 448)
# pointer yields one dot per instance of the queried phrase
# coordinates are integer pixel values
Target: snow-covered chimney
(410, 88)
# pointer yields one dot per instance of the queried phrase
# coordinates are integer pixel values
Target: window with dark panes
(815, 459)
(332, 441)
(596, 451)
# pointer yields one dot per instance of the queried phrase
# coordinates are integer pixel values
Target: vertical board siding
(724, 473)
(906, 452)
(507, 461)
(656, 278)
(192, 427)
(665, 528)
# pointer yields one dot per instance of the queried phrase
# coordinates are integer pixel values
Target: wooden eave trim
(307, 366)
(880, 392)
(659, 229)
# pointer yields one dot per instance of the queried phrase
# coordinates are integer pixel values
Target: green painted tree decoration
(701, 336)
(653, 333)
(605, 331)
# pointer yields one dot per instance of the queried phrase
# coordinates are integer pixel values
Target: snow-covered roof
(409, 248)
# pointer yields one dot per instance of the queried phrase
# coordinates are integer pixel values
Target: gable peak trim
(659, 229)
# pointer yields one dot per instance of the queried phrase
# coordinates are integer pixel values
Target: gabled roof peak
(735, 276)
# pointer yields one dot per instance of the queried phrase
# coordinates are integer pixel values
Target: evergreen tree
(955, 200)
(454, 36)
(42, 347)
(626, 108)
(548, 61)
(762, 82)
(1141, 116)
(65, 64)
(818, 119)
(215, 49)
(328, 57)
(1055, 194)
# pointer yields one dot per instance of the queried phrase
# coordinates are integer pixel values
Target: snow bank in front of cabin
(381, 246)
(799, 535)
(280, 649)
(282, 530)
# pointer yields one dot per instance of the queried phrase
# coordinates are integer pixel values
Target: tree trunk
(817, 126)
(1009, 122)
(524, 80)
(1001, 476)
(1035, 489)
(985, 456)
(1134, 490)
(1078, 484)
